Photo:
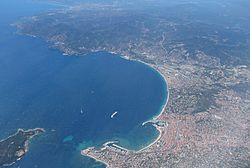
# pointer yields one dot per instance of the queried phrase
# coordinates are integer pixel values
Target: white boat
(113, 115)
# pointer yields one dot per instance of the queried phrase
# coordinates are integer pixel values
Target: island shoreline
(27, 141)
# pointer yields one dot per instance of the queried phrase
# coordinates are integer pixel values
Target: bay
(81, 101)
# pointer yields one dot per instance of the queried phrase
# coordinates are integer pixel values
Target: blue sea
(71, 97)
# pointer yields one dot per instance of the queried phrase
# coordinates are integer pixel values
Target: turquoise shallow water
(73, 98)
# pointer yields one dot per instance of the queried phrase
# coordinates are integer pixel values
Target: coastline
(27, 141)
(84, 152)
(155, 68)
(96, 159)
(21, 129)
(152, 119)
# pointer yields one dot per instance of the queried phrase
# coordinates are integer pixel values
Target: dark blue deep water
(73, 98)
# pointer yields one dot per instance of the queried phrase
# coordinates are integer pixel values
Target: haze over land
(202, 50)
